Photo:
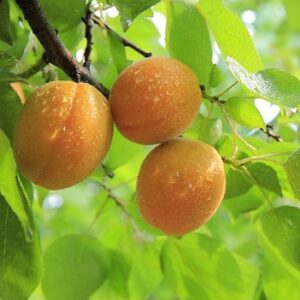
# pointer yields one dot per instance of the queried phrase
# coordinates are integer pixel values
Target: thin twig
(119, 202)
(56, 51)
(212, 99)
(231, 125)
(269, 131)
(122, 39)
(259, 157)
(97, 215)
(87, 20)
(226, 90)
(37, 67)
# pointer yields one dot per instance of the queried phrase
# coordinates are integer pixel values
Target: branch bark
(57, 53)
(89, 38)
(123, 40)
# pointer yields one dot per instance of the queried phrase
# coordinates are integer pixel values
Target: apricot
(18, 88)
(63, 133)
(180, 185)
(155, 100)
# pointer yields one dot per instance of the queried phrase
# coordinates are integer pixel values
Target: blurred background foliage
(250, 248)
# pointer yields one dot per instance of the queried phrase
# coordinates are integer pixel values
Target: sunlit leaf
(292, 8)
(271, 84)
(244, 112)
(63, 15)
(231, 34)
(117, 51)
(187, 27)
(199, 265)
(140, 283)
(279, 230)
(21, 261)
(265, 177)
(237, 184)
(120, 151)
(205, 129)
(8, 184)
(80, 262)
(130, 9)
(243, 203)
(292, 167)
(5, 30)
(10, 109)
(216, 76)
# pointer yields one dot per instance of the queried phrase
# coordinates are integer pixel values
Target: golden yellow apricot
(155, 100)
(180, 185)
(63, 132)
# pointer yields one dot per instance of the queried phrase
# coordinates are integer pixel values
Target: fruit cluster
(65, 130)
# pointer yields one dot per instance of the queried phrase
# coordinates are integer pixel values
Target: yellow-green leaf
(244, 112)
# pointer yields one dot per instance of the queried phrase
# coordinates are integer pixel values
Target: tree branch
(123, 40)
(56, 52)
(87, 20)
(269, 131)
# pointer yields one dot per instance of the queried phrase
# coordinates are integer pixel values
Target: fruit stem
(231, 125)
(226, 90)
(258, 157)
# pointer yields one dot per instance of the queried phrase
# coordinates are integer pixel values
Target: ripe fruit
(180, 185)
(155, 99)
(62, 134)
(18, 88)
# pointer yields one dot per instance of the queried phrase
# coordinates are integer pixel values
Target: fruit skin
(155, 100)
(180, 185)
(63, 133)
(18, 88)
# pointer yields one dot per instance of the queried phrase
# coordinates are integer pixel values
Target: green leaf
(117, 50)
(243, 203)
(236, 184)
(198, 265)
(280, 148)
(277, 280)
(279, 230)
(292, 167)
(21, 261)
(266, 177)
(5, 30)
(172, 265)
(10, 109)
(278, 276)
(9, 186)
(63, 15)
(7, 60)
(6, 76)
(119, 273)
(244, 112)
(121, 150)
(216, 76)
(292, 8)
(130, 9)
(206, 130)
(141, 283)
(75, 267)
(271, 84)
(188, 39)
(231, 34)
